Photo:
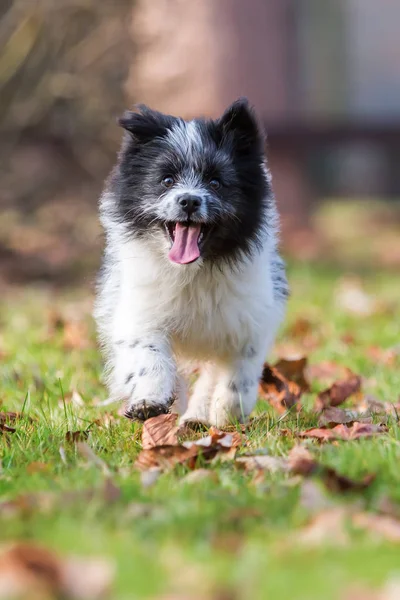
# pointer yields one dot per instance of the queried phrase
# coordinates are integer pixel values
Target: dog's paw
(193, 420)
(144, 409)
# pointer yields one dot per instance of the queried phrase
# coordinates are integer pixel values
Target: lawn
(232, 533)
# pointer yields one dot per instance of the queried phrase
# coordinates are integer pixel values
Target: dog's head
(200, 186)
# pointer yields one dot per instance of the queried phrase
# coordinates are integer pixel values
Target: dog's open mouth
(186, 240)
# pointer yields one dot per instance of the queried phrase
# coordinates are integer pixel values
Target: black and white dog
(191, 272)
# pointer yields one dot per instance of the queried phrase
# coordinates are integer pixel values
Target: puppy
(191, 273)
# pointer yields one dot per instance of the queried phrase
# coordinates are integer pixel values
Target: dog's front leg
(144, 374)
(236, 391)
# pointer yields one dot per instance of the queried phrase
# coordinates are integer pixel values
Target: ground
(233, 534)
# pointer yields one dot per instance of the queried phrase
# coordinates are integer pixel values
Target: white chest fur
(206, 311)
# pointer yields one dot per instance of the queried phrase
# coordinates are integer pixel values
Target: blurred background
(323, 76)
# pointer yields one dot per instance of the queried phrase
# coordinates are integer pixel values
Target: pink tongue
(185, 248)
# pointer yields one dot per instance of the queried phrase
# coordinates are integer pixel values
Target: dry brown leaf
(338, 392)
(166, 457)
(301, 461)
(9, 417)
(6, 428)
(337, 483)
(223, 440)
(300, 328)
(334, 415)
(76, 436)
(227, 439)
(344, 432)
(370, 405)
(294, 370)
(160, 431)
(33, 572)
(276, 389)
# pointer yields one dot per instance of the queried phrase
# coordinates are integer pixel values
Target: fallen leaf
(166, 457)
(36, 573)
(301, 461)
(370, 405)
(294, 370)
(338, 392)
(160, 431)
(6, 428)
(333, 415)
(344, 432)
(280, 392)
(76, 436)
(300, 328)
(9, 417)
(228, 439)
(337, 483)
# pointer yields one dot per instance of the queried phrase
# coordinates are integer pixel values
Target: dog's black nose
(189, 203)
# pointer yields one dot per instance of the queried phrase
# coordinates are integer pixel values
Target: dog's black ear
(240, 121)
(146, 124)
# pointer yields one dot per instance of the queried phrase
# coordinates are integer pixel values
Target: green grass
(224, 534)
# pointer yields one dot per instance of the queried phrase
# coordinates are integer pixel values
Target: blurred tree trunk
(194, 58)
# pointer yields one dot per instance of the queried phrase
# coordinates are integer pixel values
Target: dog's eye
(215, 184)
(168, 181)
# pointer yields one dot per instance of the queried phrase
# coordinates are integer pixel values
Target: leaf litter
(344, 432)
(162, 449)
(30, 571)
